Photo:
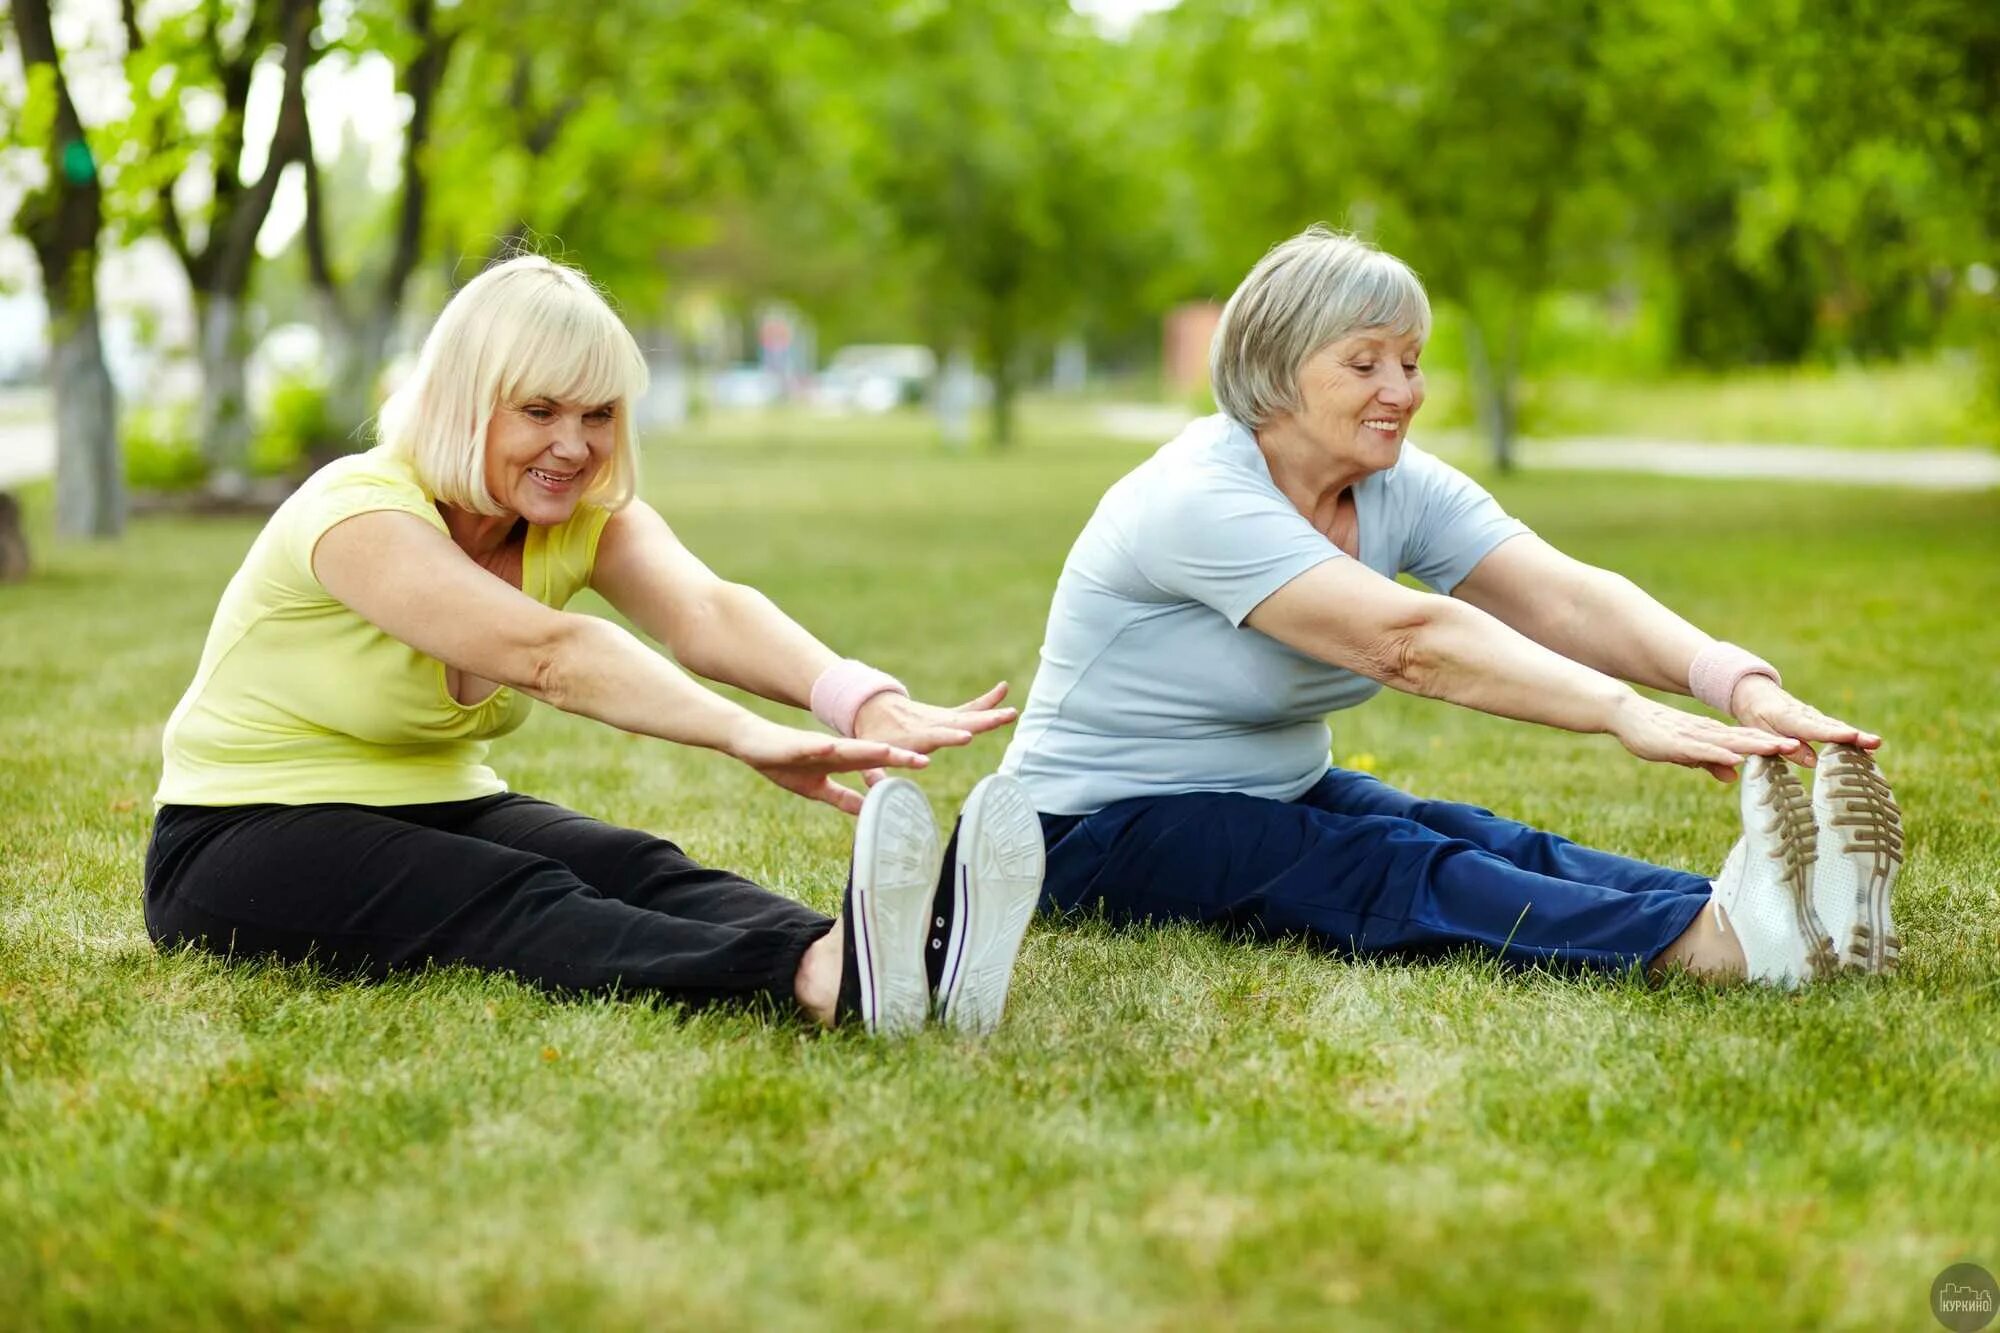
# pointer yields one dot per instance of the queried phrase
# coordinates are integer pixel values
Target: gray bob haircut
(1316, 288)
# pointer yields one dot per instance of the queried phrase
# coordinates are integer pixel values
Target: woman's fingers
(844, 799)
(1754, 740)
(987, 700)
(846, 756)
(988, 720)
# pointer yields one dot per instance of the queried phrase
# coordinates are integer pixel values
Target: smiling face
(1357, 395)
(542, 454)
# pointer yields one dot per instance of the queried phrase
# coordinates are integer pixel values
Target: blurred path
(1922, 469)
(27, 437)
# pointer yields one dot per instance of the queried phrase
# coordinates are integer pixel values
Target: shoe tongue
(847, 1005)
(944, 906)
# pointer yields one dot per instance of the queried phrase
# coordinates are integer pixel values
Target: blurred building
(1187, 331)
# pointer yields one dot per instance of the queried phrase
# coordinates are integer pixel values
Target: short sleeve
(1453, 523)
(569, 554)
(1218, 538)
(320, 508)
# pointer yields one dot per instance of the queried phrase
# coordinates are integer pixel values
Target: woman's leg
(1366, 883)
(366, 890)
(1342, 792)
(629, 865)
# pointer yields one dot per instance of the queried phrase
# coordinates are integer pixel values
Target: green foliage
(296, 423)
(160, 449)
(1172, 1130)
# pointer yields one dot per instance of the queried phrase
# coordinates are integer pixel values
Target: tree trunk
(1494, 386)
(1003, 355)
(225, 407)
(62, 220)
(357, 351)
(14, 562)
(90, 475)
(1004, 391)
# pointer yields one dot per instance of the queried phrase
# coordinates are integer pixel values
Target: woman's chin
(543, 509)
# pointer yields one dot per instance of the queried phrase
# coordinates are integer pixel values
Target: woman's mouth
(555, 481)
(1383, 424)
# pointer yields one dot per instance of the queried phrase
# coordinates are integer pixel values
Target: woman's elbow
(1414, 655)
(555, 659)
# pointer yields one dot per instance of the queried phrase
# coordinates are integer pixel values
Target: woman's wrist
(1719, 668)
(841, 690)
(1622, 703)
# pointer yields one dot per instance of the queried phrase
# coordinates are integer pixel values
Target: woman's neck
(478, 535)
(1302, 468)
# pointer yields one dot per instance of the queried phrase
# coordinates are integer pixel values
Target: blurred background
(1646, 226)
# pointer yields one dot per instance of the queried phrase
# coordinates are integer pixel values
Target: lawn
(1171, 1131)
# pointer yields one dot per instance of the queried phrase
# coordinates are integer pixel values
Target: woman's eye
(1410, 367)
(538, 413)
(1364, 367)
(598, 418)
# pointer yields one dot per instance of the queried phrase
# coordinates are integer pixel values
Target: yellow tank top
(299, 700)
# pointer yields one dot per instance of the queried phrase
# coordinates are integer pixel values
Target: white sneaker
(1860, 850)
(1765, 888)
(982, 911)
(886, 910)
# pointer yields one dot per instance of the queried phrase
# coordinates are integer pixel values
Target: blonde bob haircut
(524, 329)
(1316, 288)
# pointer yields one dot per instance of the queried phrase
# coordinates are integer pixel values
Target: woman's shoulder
(355, 483)
(378, 467)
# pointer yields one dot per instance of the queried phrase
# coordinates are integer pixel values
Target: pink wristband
(1719, 668)
(842, 688)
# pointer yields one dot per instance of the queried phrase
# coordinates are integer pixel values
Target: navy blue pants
(1356, 865)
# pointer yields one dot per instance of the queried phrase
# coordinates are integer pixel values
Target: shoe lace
(1864, 804)
(1791, 819)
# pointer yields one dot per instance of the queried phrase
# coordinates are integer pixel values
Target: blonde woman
(326, 794)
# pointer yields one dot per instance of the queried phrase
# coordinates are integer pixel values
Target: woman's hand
(1760, 701)
(1670, 736)
(804, 761)
(925, 727)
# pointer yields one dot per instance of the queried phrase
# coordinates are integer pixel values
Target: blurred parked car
(875, 377)
(744, 387)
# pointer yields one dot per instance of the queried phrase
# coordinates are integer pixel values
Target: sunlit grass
(1172, 1130)
(1921, 404)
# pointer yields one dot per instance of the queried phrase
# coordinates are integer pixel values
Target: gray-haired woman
(1241, 584)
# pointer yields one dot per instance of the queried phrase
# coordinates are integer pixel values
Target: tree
(618, 135)
(358, 324)
(1476, 152)
(194, 52)
(62, 220)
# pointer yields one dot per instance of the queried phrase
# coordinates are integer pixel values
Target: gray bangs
(1316, 288)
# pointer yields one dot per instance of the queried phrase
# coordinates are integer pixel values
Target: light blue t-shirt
(1150, 684)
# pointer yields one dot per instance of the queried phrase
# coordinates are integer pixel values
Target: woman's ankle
(816, 985)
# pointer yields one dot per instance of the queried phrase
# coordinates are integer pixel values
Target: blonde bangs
(522, 330)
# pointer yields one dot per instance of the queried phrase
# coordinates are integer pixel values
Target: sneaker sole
(996, 885)
(896, 856)
(1798, 847)
(1859, 804)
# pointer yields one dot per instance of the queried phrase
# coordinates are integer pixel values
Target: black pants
(504, 882)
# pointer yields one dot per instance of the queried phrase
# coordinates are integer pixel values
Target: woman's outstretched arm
(731, 632)
(413, 583)
(1611, 624)
(1346, 614)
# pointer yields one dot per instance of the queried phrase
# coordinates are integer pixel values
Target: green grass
(1171, 1131)
(1919, 404)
